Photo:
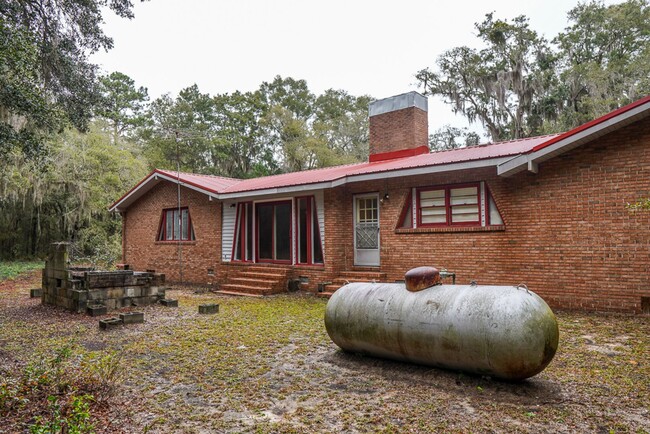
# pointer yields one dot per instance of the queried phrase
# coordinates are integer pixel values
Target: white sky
(361, 46)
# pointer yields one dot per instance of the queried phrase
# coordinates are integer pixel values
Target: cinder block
(136, 291)
(79, 295)
(143, 280)
(79, 306)
(132, 317)
(36, 292)
(96, 294)
(115, 293)
(208, 308)
(64, 302)
(124, 302)
(158, 279)
(168, 302)
(97, 310)
(148, 300)
(61, 274)
(109, 323)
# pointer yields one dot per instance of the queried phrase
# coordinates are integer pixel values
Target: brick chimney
(399, 127)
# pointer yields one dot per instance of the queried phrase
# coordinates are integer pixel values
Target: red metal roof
(328, 174)
(221, 185)
(215, 184)
(206, 182)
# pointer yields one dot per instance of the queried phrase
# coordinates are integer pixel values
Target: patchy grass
(9, 270)
(268, 366)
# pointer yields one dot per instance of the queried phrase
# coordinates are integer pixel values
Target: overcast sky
(363, 47)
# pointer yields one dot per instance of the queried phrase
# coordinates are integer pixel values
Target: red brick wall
(140, 228)
(398, 130)
(568, 234)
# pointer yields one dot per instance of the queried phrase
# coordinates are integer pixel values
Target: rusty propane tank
(503, 331)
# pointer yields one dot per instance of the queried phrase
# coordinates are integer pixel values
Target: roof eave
(571, 140)
(148, 183)
(396, 173)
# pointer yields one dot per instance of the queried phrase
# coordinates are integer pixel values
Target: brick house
(546, 211)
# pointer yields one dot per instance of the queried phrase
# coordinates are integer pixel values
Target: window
(451, 205)
(175, 226)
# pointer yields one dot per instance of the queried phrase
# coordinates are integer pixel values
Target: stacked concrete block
(78, 288)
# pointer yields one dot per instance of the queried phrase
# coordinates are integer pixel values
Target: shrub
(56, 392)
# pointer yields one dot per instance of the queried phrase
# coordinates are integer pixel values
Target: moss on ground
(9, 270)
(267, 365)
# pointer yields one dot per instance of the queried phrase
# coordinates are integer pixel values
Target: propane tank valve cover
(420, 278)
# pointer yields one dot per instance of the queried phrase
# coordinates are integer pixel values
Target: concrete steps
(238, 293)
(346, 277)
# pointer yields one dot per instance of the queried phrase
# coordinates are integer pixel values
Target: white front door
(366, 230)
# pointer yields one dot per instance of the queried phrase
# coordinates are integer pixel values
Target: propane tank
(506, 332)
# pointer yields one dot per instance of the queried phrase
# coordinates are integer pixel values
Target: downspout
(180, 216)
(123, 215)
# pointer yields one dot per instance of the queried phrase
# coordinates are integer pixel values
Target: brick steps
(256, 281)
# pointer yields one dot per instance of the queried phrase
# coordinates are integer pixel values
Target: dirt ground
(267, 365)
